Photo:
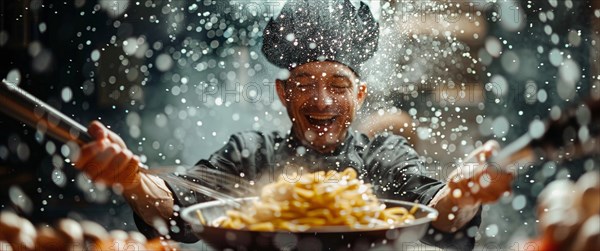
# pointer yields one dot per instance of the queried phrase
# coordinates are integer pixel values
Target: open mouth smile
(323, 120)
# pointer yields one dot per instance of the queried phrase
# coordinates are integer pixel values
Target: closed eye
(340, 82)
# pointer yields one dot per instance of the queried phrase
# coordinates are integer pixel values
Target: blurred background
(175, 78)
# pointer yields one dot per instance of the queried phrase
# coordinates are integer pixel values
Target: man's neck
(328, 149)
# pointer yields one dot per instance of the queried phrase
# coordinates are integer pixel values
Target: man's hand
(479, 182)
(107, 160)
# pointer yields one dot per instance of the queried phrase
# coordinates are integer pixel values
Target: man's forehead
(320, 70)
(338, 74)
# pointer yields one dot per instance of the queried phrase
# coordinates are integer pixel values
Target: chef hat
(321, 30)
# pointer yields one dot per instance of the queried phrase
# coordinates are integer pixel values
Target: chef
(322, 45)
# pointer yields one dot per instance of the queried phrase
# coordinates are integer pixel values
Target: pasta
(316, 199)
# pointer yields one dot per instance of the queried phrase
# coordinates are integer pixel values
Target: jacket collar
(353, 139)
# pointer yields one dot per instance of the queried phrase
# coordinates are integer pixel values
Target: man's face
(321, 100)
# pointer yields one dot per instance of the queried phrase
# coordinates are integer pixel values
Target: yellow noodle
(199, 214)
(317, 199)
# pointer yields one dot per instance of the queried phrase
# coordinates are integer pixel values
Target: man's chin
(325, 142)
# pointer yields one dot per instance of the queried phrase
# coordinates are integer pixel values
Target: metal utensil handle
(28, 109)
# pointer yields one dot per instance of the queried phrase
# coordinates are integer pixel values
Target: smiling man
(321, 99)
(322, 44)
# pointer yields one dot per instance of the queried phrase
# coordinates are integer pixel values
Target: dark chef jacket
(387, 162)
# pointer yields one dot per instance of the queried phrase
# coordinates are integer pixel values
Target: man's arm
(150, 199)
(451, 216)
(391, 163)
(468, 187)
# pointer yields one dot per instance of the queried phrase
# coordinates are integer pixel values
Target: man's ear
(280, 87)
(361, 95)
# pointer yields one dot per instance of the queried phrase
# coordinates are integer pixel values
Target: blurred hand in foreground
(17, 233)
(569, 214)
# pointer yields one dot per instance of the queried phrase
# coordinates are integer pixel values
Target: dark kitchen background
(176, 78)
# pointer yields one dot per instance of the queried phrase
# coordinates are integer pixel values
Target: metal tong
(28, 109)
